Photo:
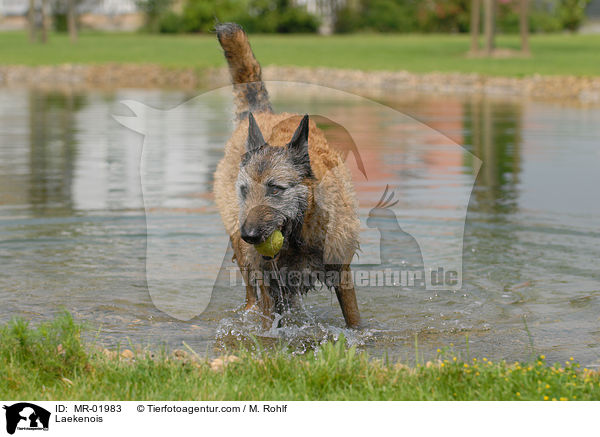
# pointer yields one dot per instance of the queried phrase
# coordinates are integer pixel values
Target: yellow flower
(484, 359)
(518, 394)
(442, 364)
(545, 398)
(439, 350)
(453, 358)
(466, 365)
(543, 357)
(571, 359)
(547, 386)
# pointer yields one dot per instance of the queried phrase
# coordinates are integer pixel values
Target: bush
(404, 16)
(201, 15)
(153, 11)
(284, 16)
(454, 16)
(59, 10)
(170, 23)
(542, 17)
(378, 16)
(444, 16)
(296, 20)
(348, 20)
(390, 16)
(572, 13)
(264, 16)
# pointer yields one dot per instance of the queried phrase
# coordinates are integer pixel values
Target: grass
(50, 362)
(553, 54)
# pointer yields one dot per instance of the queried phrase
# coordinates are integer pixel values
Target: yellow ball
(272, 245)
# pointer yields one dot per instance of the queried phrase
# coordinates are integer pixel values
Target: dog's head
(271, 185)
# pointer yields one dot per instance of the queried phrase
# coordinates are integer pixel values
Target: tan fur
(330, 221)
(249, 90)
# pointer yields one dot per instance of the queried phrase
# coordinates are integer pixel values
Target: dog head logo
(26, 416)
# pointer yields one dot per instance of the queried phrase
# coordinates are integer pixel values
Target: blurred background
(300, 16)
(424, 87)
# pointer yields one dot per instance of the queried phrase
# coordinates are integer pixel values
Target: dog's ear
(255, 137)
(298, 147)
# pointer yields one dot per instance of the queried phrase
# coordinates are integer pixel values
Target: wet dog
(279, 173)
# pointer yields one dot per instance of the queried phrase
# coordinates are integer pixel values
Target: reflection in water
(52, 149)
(494, 132)
(73, 225)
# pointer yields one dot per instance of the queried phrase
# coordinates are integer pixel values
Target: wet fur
(317, 210)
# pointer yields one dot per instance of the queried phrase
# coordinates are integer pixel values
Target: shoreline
(54, 356)
(584, 90)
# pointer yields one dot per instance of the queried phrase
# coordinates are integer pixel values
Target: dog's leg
(251, 296)
(266, 306)
(347, 298)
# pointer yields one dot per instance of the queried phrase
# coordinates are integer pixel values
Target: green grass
(50, 362)
(554, 54)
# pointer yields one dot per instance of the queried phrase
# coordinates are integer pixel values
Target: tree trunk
(475, 14)
(72, 20)
(489, 27)
(31, 20)
(524, 26)
(44, 21)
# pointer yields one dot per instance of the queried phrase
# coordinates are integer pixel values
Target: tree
(72, 20)
(44, 18)
(474, 26)
(489, 26)
(524, 26)
(31, 20)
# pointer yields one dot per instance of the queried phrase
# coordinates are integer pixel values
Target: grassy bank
(50, 362)
(552, 54)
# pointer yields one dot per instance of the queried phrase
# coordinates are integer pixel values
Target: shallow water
(79, 221)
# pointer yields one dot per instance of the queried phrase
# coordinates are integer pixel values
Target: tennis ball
(272, 245)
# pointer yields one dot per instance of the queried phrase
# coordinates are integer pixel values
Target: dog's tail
(249, 89)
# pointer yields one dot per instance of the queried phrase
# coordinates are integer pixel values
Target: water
(76, 231)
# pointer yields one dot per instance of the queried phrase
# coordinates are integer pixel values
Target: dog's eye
(244, 191)
(274, 190)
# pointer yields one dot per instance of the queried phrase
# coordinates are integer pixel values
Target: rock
(178, 353)
(372, 83)
(109, 354)
(127, 354)
(218, 364)
(232, 359)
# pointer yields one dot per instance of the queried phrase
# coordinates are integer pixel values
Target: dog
(279, 173)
